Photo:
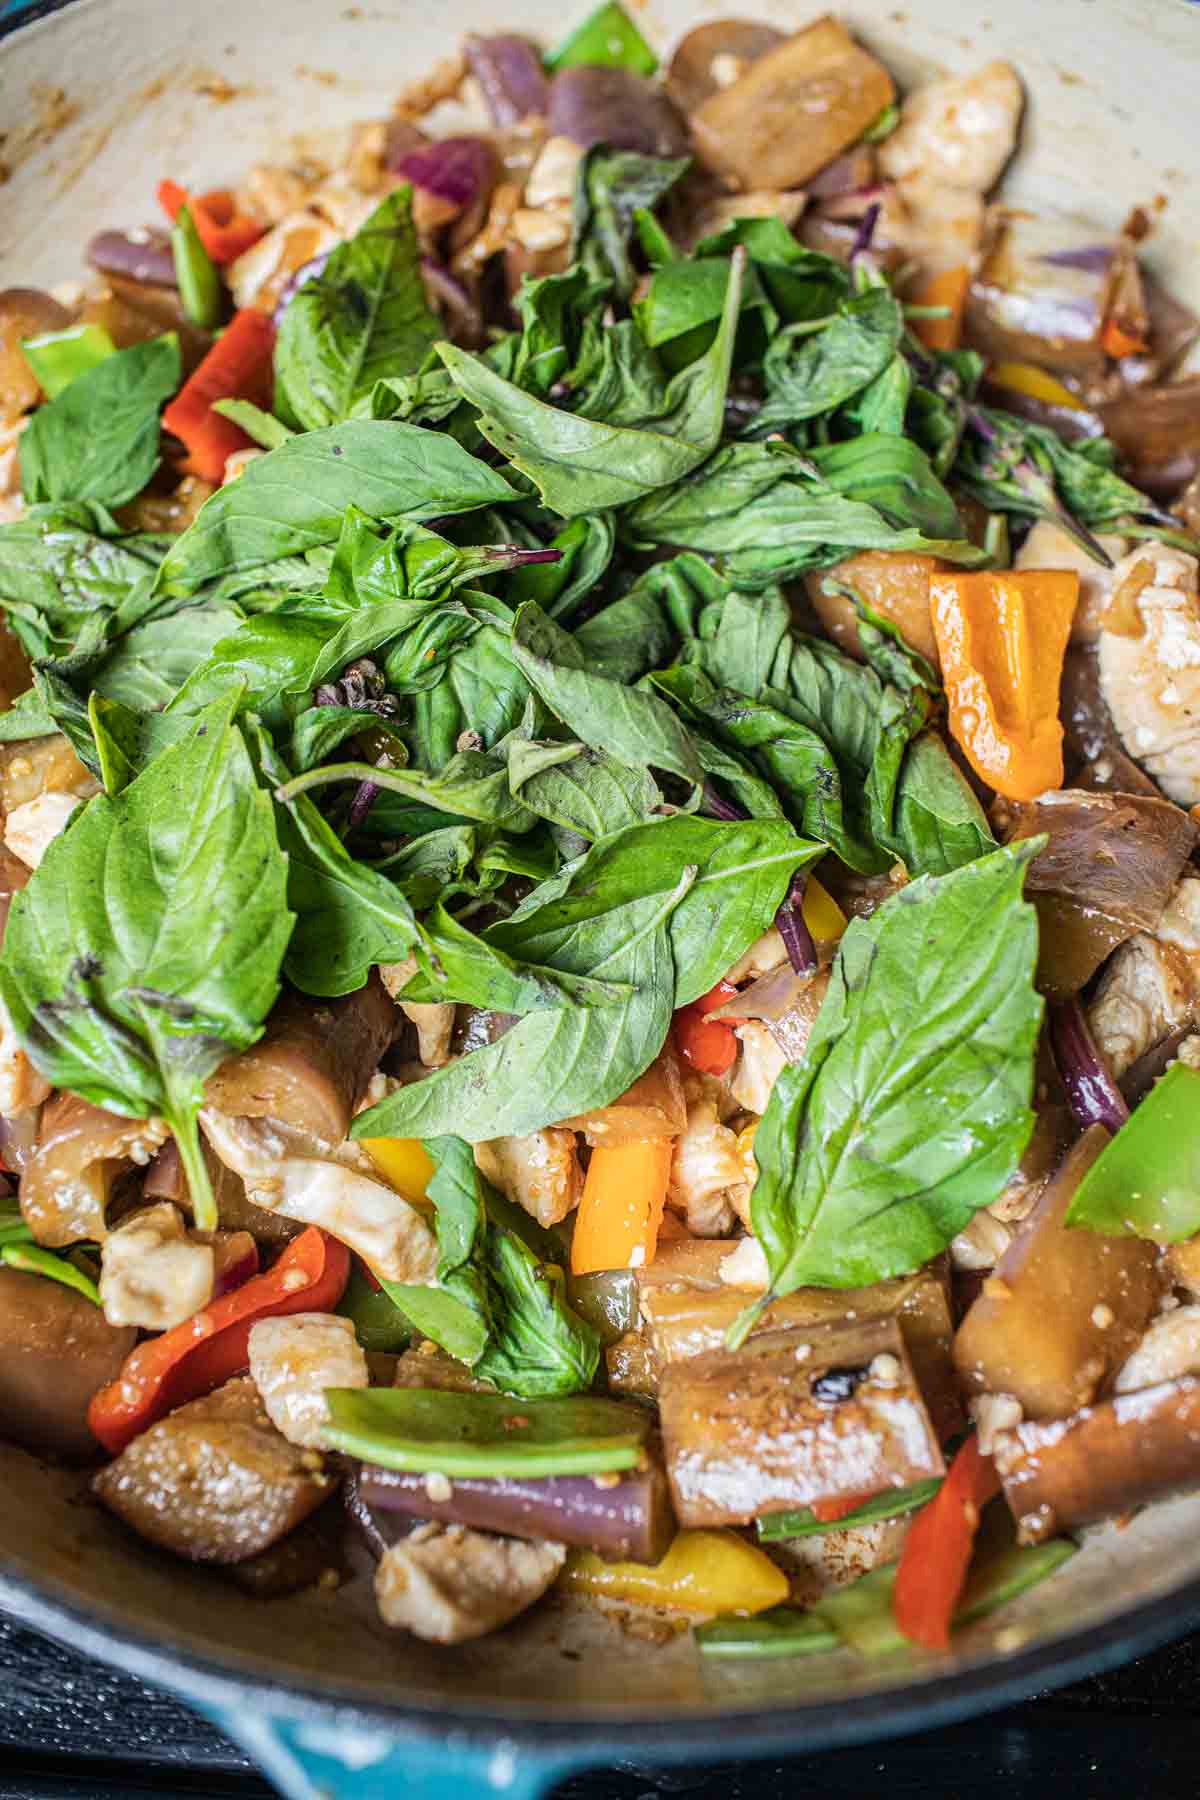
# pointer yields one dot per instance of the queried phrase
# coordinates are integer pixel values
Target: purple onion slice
(1094, 1097)
(458, 170)
(797, 938)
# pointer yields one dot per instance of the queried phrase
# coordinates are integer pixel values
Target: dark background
(71, 1730)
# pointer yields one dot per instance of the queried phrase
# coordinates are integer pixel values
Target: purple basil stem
(457, 170)
(1094, 1097)
(866, 231)
(509, 70)
(629, 1521)
(719, 807)
(306, 272)
(364, 799)
(797, 938)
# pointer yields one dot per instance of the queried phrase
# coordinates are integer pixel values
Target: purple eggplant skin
(144, 256)
(509, 70)
(594, 105)
(624, 1518)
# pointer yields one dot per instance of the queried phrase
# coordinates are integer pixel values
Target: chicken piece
(539, 1172)
(1170, 1348)
(765, 953)
(746, 1266)
(29, 830)
(446, 1584)
(758, 1067)
(1152, 984)
(1150, 665)
(271, 191)
(390, 1235)
(708, 1162)
(1049, 547)
(437, 85)
(294, 1359)
(259, 276)
(21, 1087)
(434, 1022)
(959, 133)
(214, 1481)
(938, 226)
(151, 1273)
(552, 177)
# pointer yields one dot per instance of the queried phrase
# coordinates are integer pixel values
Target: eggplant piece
(1103, 1461)
(631, 1366)
(509, 70)
(591, 104)
(214, 1481)
(1033, 302)
(80, 1153)
(1063, 1308)
(1107, 872)
(312, 1063)
(56, 1351)
(1157, 431)
(1094, 750)
(794, 109)
(712, 56)
(625, 1517)
(791, 1418)
(24, 313)
(143, 255)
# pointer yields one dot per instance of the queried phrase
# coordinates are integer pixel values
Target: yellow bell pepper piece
(404, 1163)
(822, 914)
(1034, 383)
(702, 1572)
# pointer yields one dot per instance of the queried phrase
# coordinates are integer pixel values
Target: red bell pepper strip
(225, 233)
(708, 1044)
(937, 1551)
(830, 1511)
(206, 1350)
(236, 368)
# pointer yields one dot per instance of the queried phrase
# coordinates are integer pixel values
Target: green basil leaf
(473, 972)
(66, 574)
(539, 1346)
(613, 185)
(457, 1314)
(585, 791)
(911, 1108)
(147, 946)
(481, 690)
(26, 718)
(583, 465)
(472, 785)
(292, 500)
(318, 731)
(812, 372)
(267, 431)
(363, 318)
(99, 439)
(147, 666)
(586, 547)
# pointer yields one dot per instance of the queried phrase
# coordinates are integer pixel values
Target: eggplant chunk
(625, 1518)
(81, 1150)
(214, 1481)
(1102, 1461)
(312, 1064)
(794, 109)
(56, 1351)
(791, 1418)
(1063, 1309)
(713, 55)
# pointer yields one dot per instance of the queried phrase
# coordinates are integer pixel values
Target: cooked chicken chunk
(708, 1163)
(1152, 984)
(29, 830)
(765, 953)
(959, 133)
(335, 1193)
(539, 1172)
(151, 1273)
(758, 1067)
(447, 1584)
(1170, 1348)
(434, 1022)
(294, 1359)
(259, 276)
(1049, 547)
(21, 1087)
(1151, 680)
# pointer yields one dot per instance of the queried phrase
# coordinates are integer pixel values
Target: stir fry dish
(599, 770)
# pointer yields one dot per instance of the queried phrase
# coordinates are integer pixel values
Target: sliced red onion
(854, 202)
(509, 70)
(866, 231)
(1094, 1097)
(454, 296)
(797, 938)
(306, 272)
(142, 255)
(1093, 259)
(457, 170)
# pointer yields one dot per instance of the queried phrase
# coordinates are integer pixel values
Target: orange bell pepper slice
(238, 367)
(225, 233)
(1116, 342)
(948, 288)
(206, 1350)
(1002, 636)
(937, 1551)
(621, 1210)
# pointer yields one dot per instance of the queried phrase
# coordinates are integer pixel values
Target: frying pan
(98, 99)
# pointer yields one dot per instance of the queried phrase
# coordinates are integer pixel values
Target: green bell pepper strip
(466, 1435)
(196, 273)
(1146, 1181)
(31, 1260)
(607, 36)
(57, 357)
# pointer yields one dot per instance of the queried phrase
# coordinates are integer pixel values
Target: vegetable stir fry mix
(601, 926)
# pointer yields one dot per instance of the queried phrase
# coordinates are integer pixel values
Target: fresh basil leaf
(808, 372)
(630, 725)
(583, 465)
(267, 431)
(267, 658)
(800, 283)
(457, 1314)
(539, 1346)
(586, 547)
(911, 1108)
(318, 731)
(292, 500)
(611, 186)
(147, 946)
(429, 866)
(472, 785)
(148, 665)
(363, 318)
(679, 311)
(26, 718)
(99, 439)
(473, 972)
(626, 638)
(481, 690)
(607, 36)
(585, 791)
(882, 406)
(66, 573)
